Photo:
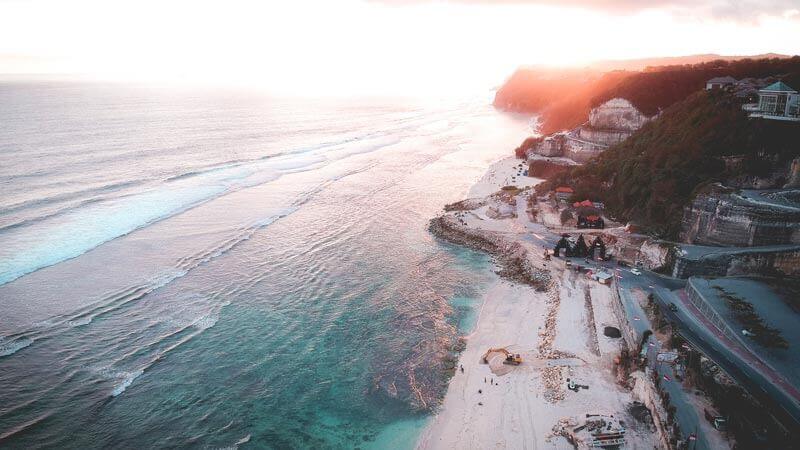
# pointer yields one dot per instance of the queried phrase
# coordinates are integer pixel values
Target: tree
(580, 247)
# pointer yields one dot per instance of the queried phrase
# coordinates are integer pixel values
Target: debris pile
(597, 431)
(552, 380)
(548, 334)
(564, 428)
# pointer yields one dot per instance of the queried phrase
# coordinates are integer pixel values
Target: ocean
(208, 269)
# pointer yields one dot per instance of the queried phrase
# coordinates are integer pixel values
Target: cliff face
(794, 174)
(617, 114)
(769, 261)
(723, 217)
(609, 124)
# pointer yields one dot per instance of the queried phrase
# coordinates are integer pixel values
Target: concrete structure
(777, 101)
(720, 83)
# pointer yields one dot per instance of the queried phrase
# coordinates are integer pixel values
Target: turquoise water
(199, 269)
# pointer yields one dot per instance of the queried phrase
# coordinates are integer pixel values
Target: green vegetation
(652, 175)
(564, 98)
(659, 87)
(746, 315)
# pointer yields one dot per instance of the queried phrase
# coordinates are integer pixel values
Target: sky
(351, 47)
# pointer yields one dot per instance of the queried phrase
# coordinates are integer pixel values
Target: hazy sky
(380, 46)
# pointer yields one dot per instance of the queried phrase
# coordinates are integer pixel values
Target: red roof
(592, 218)
(586, 203)
(564, 189)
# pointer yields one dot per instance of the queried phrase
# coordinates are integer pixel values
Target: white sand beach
(505, 172)
(484, 410)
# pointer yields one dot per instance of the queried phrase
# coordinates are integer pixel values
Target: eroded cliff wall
(723, 217)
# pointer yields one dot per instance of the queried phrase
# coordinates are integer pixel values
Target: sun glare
(348, 47)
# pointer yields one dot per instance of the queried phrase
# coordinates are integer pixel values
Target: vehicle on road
(715, 419)
(636, 271)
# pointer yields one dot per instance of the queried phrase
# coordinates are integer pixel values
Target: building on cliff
(610, 123)
(777, 101)
(720, 83)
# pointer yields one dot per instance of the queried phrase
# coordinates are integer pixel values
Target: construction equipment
(575, 387)
(513, 359)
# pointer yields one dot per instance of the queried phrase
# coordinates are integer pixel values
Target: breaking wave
(126, 380)
(10, 346)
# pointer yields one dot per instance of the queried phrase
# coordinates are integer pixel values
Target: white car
(636, 271)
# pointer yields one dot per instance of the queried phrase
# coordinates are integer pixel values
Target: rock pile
(511, 256)
(548, 334)
(553, 383)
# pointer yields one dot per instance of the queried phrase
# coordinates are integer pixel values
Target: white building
(778, 101)
(720, 83)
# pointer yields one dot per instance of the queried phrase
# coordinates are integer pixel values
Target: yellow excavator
(513, 359)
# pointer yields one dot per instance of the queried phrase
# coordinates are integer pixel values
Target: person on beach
(462, 368)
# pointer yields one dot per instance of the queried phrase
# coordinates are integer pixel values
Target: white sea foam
(206, 322)
(10, 347)
(127, 379)
(80, 321)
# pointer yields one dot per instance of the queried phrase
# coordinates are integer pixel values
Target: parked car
(636, 271)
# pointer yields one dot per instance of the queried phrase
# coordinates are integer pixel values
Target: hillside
(659, 87)
(564, 98)
(652, 175)
(647, 63)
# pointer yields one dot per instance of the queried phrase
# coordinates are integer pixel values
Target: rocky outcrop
(617, 114)
(547, 167)
(794, 174)
(511, 256)
(609, 124)
(722, 216)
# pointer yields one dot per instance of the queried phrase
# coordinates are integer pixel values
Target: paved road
(766, 385)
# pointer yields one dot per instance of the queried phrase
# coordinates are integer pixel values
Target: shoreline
(552, 317)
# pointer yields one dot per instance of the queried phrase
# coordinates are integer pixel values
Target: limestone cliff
(609, 124)
(722, 216)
